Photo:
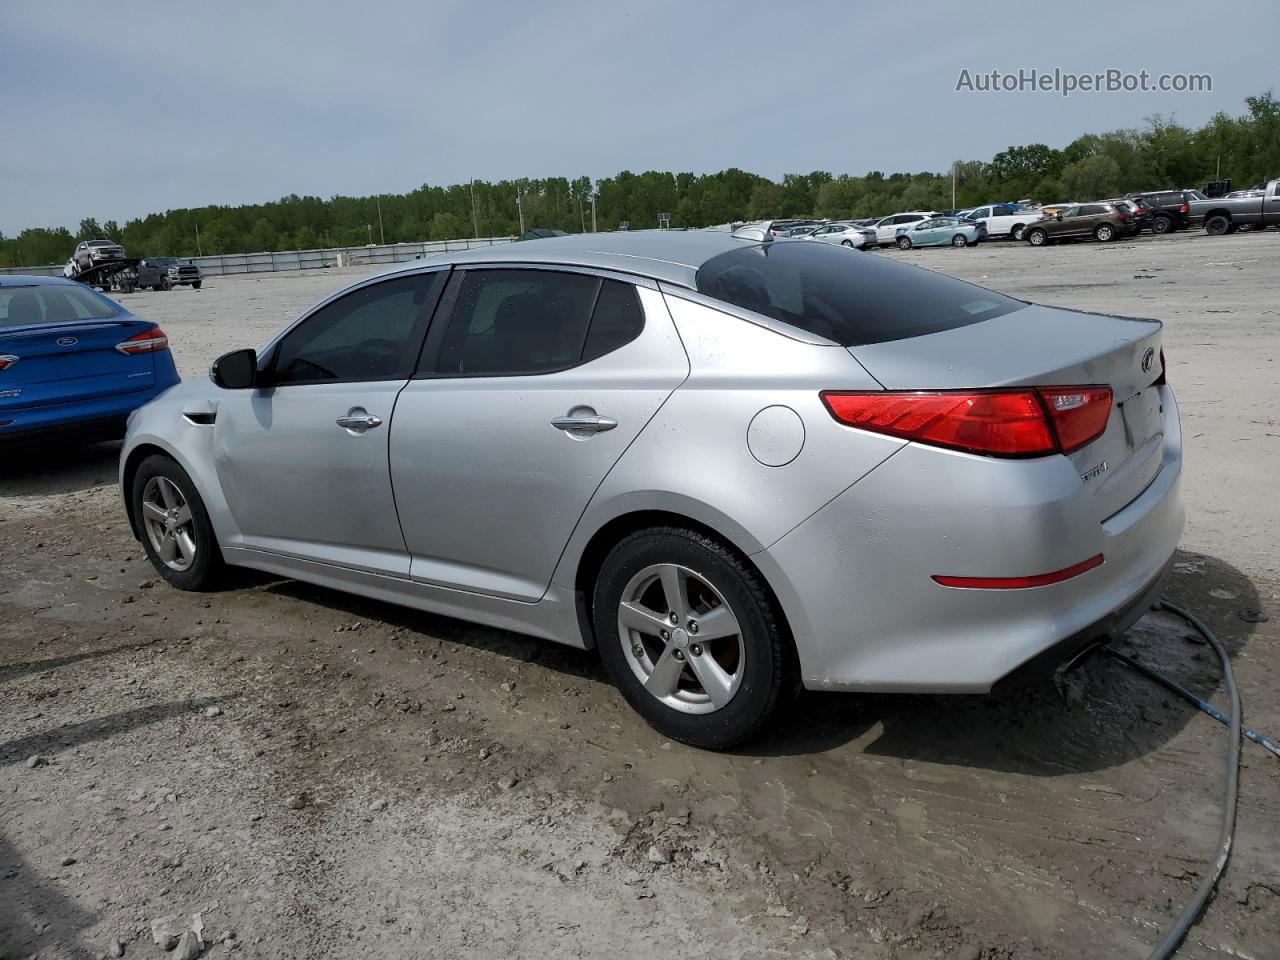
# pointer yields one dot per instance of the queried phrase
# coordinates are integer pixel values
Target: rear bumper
(855, 579)
(102, 418)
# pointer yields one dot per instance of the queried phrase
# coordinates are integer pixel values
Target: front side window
(849, 300)
(370, 334)
(528, 322)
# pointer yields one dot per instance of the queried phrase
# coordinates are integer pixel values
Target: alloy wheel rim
(170, 527)
(681, 639)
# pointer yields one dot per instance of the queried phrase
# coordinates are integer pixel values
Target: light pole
(199, 252)
(593, 211)
(382, 236)
(475, 221)
(520, 209)
(370, 228)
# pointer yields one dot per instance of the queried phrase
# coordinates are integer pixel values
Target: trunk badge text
(1094, 472)
(67, 341)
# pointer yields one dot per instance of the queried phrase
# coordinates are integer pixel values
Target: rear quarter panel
(693, 458)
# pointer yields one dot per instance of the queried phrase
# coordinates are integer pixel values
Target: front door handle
(357, 419)
(592, 424)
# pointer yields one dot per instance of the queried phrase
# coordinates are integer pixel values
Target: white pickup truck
(1004, 219)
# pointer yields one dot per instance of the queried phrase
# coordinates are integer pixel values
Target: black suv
(1169, 208)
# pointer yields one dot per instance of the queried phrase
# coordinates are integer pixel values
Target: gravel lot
(316, 775)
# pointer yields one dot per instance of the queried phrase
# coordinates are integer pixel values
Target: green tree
(1092, 178)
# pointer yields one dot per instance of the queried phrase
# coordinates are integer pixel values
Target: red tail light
(7, 361)
(1184, 208)
(1079, 414)
(148, 341)
(1031, 422)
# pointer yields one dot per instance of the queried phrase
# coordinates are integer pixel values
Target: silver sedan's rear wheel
(681, 638)
(959, 240)
(167, 518)
(692, 636)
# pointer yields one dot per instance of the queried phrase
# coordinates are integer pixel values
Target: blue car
(74, 364)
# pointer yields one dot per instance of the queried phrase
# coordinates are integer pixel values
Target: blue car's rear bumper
(101, 418)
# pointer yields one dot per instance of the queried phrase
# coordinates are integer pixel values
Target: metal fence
(237, 263)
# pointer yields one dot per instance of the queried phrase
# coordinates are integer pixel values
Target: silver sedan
(733, 467)
(845, 234)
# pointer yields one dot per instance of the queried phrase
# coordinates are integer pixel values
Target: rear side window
(527, 322)
(52, 303)
(851, 300)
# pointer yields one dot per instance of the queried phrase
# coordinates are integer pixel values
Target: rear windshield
(51, 303)
(849, 297)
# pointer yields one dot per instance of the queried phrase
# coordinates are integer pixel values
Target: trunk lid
(71, 361)
(1045, 346)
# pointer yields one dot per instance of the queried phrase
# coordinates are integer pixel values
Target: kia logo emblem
(1147, 359)
(72, 341)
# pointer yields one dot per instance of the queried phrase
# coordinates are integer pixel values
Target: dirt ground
(315, 775)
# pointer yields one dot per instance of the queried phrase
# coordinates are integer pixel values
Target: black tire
(1104, 233)
(769, 667)
(904, 243)
(1217, 226)
(1162, 225)
(195, 284)
(846, 243)
(1019, 230)
(207, 567)
(959, 240)
(1037, 237)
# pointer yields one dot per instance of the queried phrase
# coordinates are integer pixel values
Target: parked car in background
(907, 452)
(1050, 209)
(90, 253)
(780, 228)
(1002, 219)
(804, 231)
(941, 232)
(846, 235)
(1228, 214)
(161, 273)
(74, 364)
(1170, 209)
(1097, 221)
(887, 227)
(1138, 210)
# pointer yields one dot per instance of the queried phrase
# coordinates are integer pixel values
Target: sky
(115, 114)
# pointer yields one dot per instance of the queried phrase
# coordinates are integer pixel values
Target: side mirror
(237, 370)
(1058, 215)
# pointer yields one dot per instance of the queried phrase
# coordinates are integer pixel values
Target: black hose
(1226, 835)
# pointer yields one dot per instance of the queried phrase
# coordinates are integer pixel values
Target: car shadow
(503, 643)
(1098, 715)
(39, 470)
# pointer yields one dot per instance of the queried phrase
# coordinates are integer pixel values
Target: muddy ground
(316, 775)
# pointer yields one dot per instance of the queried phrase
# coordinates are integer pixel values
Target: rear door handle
(586, 424)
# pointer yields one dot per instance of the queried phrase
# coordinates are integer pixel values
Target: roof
(673, 256)
(28, 280)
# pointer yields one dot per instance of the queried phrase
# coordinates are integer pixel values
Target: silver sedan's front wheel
(681, 638)
(168, 521)
(171, 521)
